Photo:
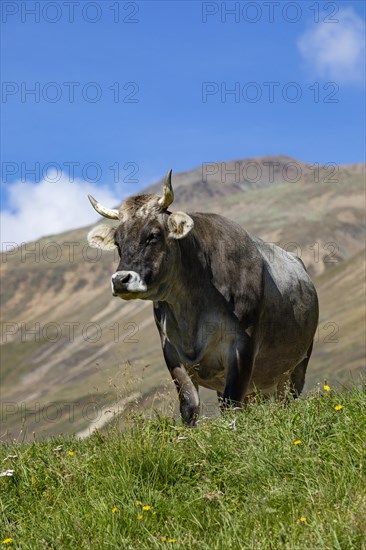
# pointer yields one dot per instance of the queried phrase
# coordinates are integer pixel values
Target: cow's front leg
(187, 390)
(188, 396)
(240, 368)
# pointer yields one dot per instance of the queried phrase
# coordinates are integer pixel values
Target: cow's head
(146, 239)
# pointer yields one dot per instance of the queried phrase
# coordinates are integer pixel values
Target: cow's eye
(153, 237)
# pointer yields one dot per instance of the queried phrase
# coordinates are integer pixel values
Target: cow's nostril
(125, 278)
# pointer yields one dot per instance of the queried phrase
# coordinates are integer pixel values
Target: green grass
(214, 487)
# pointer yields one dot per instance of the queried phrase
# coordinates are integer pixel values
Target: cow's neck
(190, 292)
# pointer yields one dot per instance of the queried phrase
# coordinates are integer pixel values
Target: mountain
(71, 352)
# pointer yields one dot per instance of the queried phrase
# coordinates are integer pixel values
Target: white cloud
(336, 50)
(46, 208)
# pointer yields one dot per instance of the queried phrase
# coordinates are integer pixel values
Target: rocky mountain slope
(70, 351)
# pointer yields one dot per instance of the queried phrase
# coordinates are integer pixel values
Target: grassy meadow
(274, 476)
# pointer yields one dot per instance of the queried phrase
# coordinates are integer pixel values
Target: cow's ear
(179, 224)
(102, 237)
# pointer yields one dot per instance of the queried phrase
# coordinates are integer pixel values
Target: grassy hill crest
(273, 477)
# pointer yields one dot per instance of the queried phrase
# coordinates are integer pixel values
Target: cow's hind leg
(240, 368)
(291, 384)
(297, 379)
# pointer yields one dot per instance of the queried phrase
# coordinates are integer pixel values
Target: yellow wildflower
(338, 407)
(139, 517)
(326, 387)
(146, 508)
(172, 540)
(163, 539)
(71, 453)
(8, 540)
(302, 519)
(297, 442)
(114, 509)
(138, 502)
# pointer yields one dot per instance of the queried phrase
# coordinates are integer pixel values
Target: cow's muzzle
(124, 282)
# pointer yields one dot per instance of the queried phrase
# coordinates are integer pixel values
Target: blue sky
(171, 63)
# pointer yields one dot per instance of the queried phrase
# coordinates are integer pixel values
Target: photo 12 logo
(69, 170)
(69, 92)
(52, 252)
(252, 171)
(268, 12)
(68, 332)
(70, 12)
(327, 331)
(270, 92)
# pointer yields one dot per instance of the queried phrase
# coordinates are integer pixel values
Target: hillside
(89, 351)
(275, 477)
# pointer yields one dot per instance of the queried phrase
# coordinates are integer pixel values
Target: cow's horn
(168, 195)
(102, 210)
